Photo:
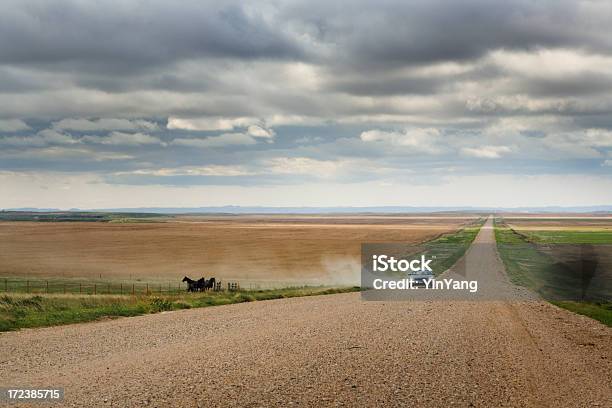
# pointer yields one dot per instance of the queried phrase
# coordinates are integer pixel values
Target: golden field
(560, 222)
(300, 249)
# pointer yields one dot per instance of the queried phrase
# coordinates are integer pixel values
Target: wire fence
(87, 287)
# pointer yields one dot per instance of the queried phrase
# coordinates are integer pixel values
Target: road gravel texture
(335, 350)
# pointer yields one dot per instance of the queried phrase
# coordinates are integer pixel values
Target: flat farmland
(567, 260)
(564, 230)
(300, 249)
(560, 223)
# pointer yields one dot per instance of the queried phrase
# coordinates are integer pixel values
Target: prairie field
(557, 223)
(299, 249)
(567, 260)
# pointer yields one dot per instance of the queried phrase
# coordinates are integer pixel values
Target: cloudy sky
(313, 103)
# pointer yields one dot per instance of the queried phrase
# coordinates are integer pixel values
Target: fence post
(64, 288)
(6, 285)
(47, 286)
(95, 288)
(121, 288)
(80, 288)
(108, 289)
(147, 289)
(27, 286)
(160, 289)
(132, 289)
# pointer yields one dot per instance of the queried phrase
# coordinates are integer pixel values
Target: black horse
(210, 284)
(193, 285)
(201, 284)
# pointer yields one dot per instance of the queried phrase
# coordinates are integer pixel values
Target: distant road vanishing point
(326, 351)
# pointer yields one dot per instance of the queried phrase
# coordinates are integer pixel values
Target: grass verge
(25, 311)
(449, 248)
(528, 267)
(594, 310)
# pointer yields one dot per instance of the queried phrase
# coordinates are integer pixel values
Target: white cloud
(124, 139)
(598, 137)
(211, 170)
(226, 139)
(486, 152)
(309, 139)
(13, 125)
(519, 103)
(284, 120)
(63, 153)
(208, 124)
(259, 131)
(551, 63)
(418, 139)
(85, 125)
(48, 137)
(543, 136)
(573, 145)
(254, 127)
(305, 165)
(607, 163)
(42, 138)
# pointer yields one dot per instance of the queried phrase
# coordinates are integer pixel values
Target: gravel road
(332, 350)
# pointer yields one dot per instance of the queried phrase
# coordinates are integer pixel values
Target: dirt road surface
(326, 351)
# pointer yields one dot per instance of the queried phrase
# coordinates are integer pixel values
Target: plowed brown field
(307, 248)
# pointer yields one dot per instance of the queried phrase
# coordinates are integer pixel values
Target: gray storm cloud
(396, 92)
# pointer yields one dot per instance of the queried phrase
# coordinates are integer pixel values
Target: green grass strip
(528, 267)
(25, 311)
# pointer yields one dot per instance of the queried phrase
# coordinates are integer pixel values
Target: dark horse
(193, 285)
(210, 284)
